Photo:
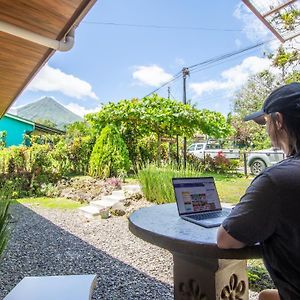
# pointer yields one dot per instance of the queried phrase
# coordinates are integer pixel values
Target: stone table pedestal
(202, 271)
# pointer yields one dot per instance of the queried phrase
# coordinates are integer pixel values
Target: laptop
(198, 201)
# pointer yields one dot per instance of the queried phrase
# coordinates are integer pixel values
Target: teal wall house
(16, 127)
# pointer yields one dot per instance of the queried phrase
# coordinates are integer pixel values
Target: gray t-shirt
(269, 213)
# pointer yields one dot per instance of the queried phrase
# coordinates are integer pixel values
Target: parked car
(212, 149)
(259, 160)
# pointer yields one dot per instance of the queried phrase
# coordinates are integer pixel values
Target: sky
(128, 48)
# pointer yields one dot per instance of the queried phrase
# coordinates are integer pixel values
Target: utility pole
(185, 73)
(169, 92)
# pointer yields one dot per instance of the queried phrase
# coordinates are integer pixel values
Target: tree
(286, 61)
(251, 95)
(110, 155)
(250, 99)
(78, 129)
(163, 117)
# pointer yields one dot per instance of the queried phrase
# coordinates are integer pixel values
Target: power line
(210, 61)
(162, 26)
(227, 55)
(216, 64)
(175, 77)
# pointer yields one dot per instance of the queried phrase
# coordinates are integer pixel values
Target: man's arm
(226, 241)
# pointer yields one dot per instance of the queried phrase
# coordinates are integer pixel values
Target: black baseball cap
(284, 99)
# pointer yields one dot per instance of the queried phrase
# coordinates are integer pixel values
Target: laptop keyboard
(209, 215)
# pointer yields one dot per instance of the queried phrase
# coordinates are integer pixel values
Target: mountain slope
(48, 109)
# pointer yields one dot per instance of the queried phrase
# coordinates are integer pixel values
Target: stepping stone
(113, 198)
(105, 203)
(119, 193)
(132, 188)
(90, 211)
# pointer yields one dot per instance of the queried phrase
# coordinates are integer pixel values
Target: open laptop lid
(197, 194)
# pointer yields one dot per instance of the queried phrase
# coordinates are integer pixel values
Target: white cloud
(54, 80)
(151, 75)
(253, 28)
(80, 110)
(234, 77)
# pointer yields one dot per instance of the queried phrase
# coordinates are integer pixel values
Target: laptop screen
(196, 195)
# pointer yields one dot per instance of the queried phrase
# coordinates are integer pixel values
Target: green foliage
(251, 96)
(290, 18)
(78, 129)
(3, 135)
(25, 170)
(284, 58)
(286, 61)
(46, 122)
(248, 99)
(78, 152)
(213, 124)
(156, 182)
(249, 134)
(294, 76)
(259, 278)
(109, 156)
(155, 118)
(218, 164)
(4, 215)
(52, 203)
(4, 204)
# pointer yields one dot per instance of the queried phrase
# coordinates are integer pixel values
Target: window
(199, 147)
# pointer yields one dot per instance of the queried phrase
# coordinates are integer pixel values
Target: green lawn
(59, 203)
(231, 189)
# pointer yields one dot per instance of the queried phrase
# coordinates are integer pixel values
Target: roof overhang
(21, 59)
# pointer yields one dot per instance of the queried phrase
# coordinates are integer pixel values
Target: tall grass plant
(156, 182)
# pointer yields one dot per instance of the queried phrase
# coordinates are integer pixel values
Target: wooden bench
(68, 287)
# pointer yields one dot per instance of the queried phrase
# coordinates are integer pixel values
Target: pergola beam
(257, 13)
(279, 7)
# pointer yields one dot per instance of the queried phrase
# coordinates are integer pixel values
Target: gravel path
(57, 242)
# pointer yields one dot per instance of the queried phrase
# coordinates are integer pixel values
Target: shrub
(110, 156)
(4, 205)
(218, 164)
(259, 278)
(114, 182)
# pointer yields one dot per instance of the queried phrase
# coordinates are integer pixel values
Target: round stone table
(202, 271)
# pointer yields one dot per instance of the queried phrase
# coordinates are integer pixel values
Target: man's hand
(226, 241)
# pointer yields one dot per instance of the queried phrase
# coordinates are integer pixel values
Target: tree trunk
(158, 149)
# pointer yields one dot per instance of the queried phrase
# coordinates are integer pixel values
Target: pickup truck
(259, 160)
(212, 149)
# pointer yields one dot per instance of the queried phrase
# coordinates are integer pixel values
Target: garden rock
(118, 209)
(86, 189)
